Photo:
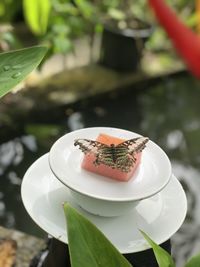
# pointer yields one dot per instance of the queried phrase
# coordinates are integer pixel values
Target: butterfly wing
(100, 150)
(125, 152)
(105, 157)
(123, 161)
(135, 145)
(89, 146)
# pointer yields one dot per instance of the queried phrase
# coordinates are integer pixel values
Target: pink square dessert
(105, 170)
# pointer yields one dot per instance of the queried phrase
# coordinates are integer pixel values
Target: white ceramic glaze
(159, 216)
(152, 175)
(102, 207)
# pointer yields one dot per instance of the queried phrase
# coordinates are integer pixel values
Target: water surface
(167, 111)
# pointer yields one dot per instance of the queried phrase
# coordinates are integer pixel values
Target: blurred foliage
(8, 40)
(57, 23)
(9, 10)
(68, 21)
(186, 10)
(121, 10)
(36, 13)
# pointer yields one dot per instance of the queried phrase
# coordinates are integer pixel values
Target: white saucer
(159, 216)
(152, 175)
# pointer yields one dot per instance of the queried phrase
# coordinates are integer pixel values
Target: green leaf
(89, 247)
(194, 261)
(16, 65)
(85, 7)
(163, 258)
(116, 14)
(36, 13)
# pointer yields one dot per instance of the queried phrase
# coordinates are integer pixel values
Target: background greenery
(63, 21)
(57, 23)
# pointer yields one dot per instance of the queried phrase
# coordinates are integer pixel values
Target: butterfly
(121, 156)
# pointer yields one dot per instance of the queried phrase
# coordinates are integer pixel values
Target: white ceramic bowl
(101, 195)
(105, 208)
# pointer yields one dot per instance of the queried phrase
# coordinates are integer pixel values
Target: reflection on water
(168, 112)
(16, 155)
(187, 240)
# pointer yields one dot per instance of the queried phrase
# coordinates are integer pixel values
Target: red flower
(186, 42)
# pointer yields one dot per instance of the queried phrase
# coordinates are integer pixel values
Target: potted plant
(124, 35)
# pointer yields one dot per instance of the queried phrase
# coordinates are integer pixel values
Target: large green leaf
(163, 258)
(87, 245)
(36, 13)
(16, 65)
(194, 261)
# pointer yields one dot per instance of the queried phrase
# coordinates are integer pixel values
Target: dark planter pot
(122, 50)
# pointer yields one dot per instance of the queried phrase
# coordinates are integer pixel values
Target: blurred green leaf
(87, 245)
(116, 14)
(10, 39)
(192, 20)
(85, 7)
(99, 28)
(36, 13)
(194, 261)
(65, 8)
(9, 9)
(16, 65)
(62, 45)
(163, 258)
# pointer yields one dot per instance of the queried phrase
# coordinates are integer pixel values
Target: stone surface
(26, 246)
(8, 249)
(68, 86)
